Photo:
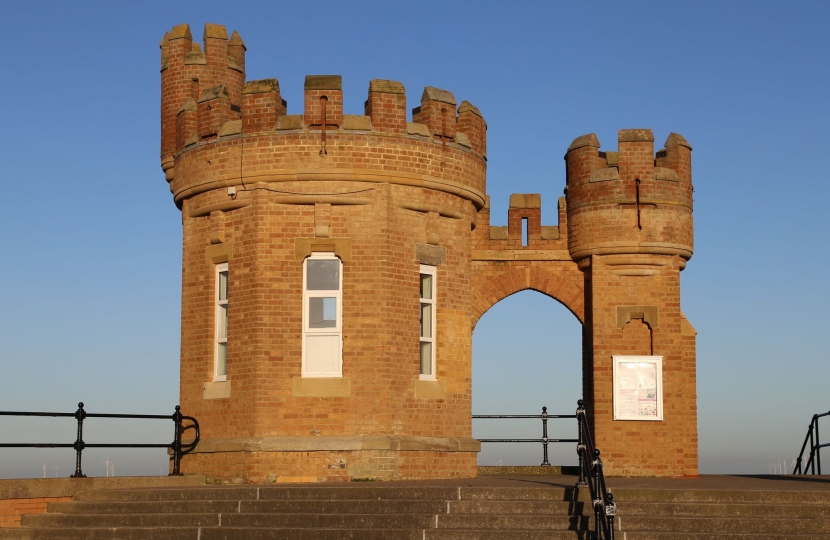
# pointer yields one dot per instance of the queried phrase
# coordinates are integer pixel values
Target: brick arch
(489, 289)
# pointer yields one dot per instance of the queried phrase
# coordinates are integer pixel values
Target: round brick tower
(630, 231)
(326, 329)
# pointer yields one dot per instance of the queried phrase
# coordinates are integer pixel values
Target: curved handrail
(815, 448)
(592, 477)
(179, 449)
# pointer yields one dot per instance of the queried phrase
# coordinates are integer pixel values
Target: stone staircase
(424, 512)
(321, 512)
(699, 514)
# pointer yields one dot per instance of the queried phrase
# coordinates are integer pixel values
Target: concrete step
(209, 533)
(761, 511)
(145, 507)
(120, 520)
(242, 533)
(482, 534)
(353, 506)
(726, 525)
(143, 533)
(329, 521)
(523, 494)
(515, 522)
(721, 496)
(715, 536)
(358, 492)
(209, 493)
(561, 508)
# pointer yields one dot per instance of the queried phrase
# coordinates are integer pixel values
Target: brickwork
(11, 510)
(386, 195)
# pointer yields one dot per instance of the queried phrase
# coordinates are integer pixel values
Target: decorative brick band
(340, 444)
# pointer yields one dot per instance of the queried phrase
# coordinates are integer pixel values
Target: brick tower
(334, 267)
(630, 232)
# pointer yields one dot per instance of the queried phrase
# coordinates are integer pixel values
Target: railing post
(177, 442)
(598, 496)
(580, 446)
(610, 512)
(545, 462)
(818, 448)
(80, 414)
(812, 462)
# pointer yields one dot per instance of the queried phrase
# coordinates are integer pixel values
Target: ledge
(321, 387)
(29, 488)
(216, 390)
(521, 255)
(401, 443)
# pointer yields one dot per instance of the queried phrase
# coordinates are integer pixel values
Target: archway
(527, 353)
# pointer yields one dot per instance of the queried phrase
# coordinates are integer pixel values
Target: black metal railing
(814, 461)
(592, 477)
(179, 448)
(545, 440)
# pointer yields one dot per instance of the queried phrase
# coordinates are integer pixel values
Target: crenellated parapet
(630, 201)
(187, 72)
(524, 230)
(209, 114)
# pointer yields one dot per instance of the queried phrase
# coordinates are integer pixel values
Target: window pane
(322, 354)
(222, 323)
(426, 286)
(323, 275)
(222, 360)
(322, 312)
(223, 285)
(426, 358)
(426, 320)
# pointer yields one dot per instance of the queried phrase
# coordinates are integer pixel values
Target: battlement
(257, 107)
(524, 235)
(631, 199)
(187, 71)
(634, 159)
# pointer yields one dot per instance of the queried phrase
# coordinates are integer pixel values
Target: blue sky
(93, 240)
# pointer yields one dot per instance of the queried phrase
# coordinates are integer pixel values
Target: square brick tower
(334, 267)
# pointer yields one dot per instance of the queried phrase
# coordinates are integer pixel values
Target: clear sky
(92, 276)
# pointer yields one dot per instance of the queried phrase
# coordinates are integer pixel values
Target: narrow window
(220, 366)
(524, 231)
(322, 316)
(427, 308)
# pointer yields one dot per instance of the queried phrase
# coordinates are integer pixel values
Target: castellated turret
(369, 371)
(629, 201)
(334, 266)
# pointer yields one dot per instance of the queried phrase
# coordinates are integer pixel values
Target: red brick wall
(11, 510)
(386, 188)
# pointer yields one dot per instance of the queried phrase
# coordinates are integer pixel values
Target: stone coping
(355, 443)
(30, 488)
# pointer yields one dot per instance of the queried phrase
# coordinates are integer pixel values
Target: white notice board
(638, 388)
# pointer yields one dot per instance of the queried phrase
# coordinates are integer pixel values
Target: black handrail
(545, 440)
(592, 477)
(815, 448)
(179, 448)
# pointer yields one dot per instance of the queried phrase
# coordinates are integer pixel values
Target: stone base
(332, 459)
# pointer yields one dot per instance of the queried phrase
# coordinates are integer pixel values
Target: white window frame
(336, 331)
(432, 271)
(217, 340)
(620, 412)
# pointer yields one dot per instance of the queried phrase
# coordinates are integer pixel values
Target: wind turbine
(107, 463)
(44, 468)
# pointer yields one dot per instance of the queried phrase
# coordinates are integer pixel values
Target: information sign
(638, 388)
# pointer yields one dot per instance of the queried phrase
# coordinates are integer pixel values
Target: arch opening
(527, 353)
